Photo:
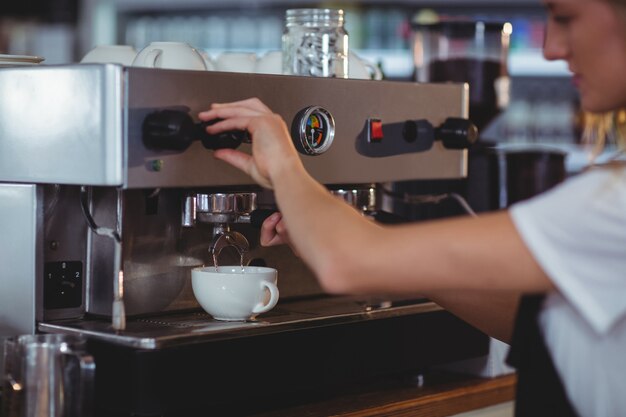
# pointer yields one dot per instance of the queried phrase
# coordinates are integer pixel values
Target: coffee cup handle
(273, 289)
(151, 58)
(83, 405)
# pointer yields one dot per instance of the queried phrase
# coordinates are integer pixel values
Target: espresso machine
(110, 195)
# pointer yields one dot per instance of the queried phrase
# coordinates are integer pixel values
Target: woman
(569, 243)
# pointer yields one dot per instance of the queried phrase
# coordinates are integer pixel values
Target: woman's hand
(274, 231)
(273, 152)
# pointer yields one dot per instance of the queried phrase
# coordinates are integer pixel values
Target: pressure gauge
(313, 130)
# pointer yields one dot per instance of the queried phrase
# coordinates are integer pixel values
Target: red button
(376, 130)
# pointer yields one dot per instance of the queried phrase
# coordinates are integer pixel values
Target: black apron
(539, 389)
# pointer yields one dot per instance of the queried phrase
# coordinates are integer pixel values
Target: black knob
(176, 130)
(230, 140)
(168, 130)
(456, 133)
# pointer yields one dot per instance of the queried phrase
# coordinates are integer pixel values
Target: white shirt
(577, 233)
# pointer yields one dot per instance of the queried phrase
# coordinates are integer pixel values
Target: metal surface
(64, 240)
(161, 331)
(20, 260)
(363, 199)
(82, 124)
(218, 203)
(350, 102)
(62, 125)
(50, 375)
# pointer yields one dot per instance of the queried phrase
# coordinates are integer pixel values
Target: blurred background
(543, 105)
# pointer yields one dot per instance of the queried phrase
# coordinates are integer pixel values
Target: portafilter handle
(175, 130)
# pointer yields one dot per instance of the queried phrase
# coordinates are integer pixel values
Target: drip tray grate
(178, 328)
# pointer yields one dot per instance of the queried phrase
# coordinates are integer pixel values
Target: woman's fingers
(271, 140)
(268, 229)
(250, 107)
(270, 235)
(229, 111)
(235, 123)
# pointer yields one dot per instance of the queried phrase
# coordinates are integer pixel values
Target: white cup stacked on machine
(236, 62)
(180, 55)
(171, 55)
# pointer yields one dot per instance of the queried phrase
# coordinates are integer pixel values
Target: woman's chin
(599, 105)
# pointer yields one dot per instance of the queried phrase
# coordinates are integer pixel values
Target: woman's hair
(598, 129)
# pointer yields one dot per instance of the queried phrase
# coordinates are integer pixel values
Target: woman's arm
(492, 312)
(350, 254)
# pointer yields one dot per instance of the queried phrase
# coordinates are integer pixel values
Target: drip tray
(171, 329)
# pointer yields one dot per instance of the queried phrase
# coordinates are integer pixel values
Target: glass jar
(315, 43)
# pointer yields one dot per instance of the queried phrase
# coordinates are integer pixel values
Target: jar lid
(315, 16)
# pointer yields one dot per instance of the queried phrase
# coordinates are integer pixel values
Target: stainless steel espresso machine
(109, 195)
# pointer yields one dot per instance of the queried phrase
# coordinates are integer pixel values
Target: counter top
(435, 395)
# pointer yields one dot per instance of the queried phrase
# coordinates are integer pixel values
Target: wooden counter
(435, 395)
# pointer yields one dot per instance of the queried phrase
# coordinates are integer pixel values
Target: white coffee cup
(172, 55)
(270, 63)
(115, 54)
(362, 69)
(236, 62)
(231, 294)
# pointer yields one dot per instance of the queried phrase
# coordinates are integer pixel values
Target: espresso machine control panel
(63, 285)
(333, 126)
(137, 127)
(313, 132)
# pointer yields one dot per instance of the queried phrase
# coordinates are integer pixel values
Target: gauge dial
(313, 130)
